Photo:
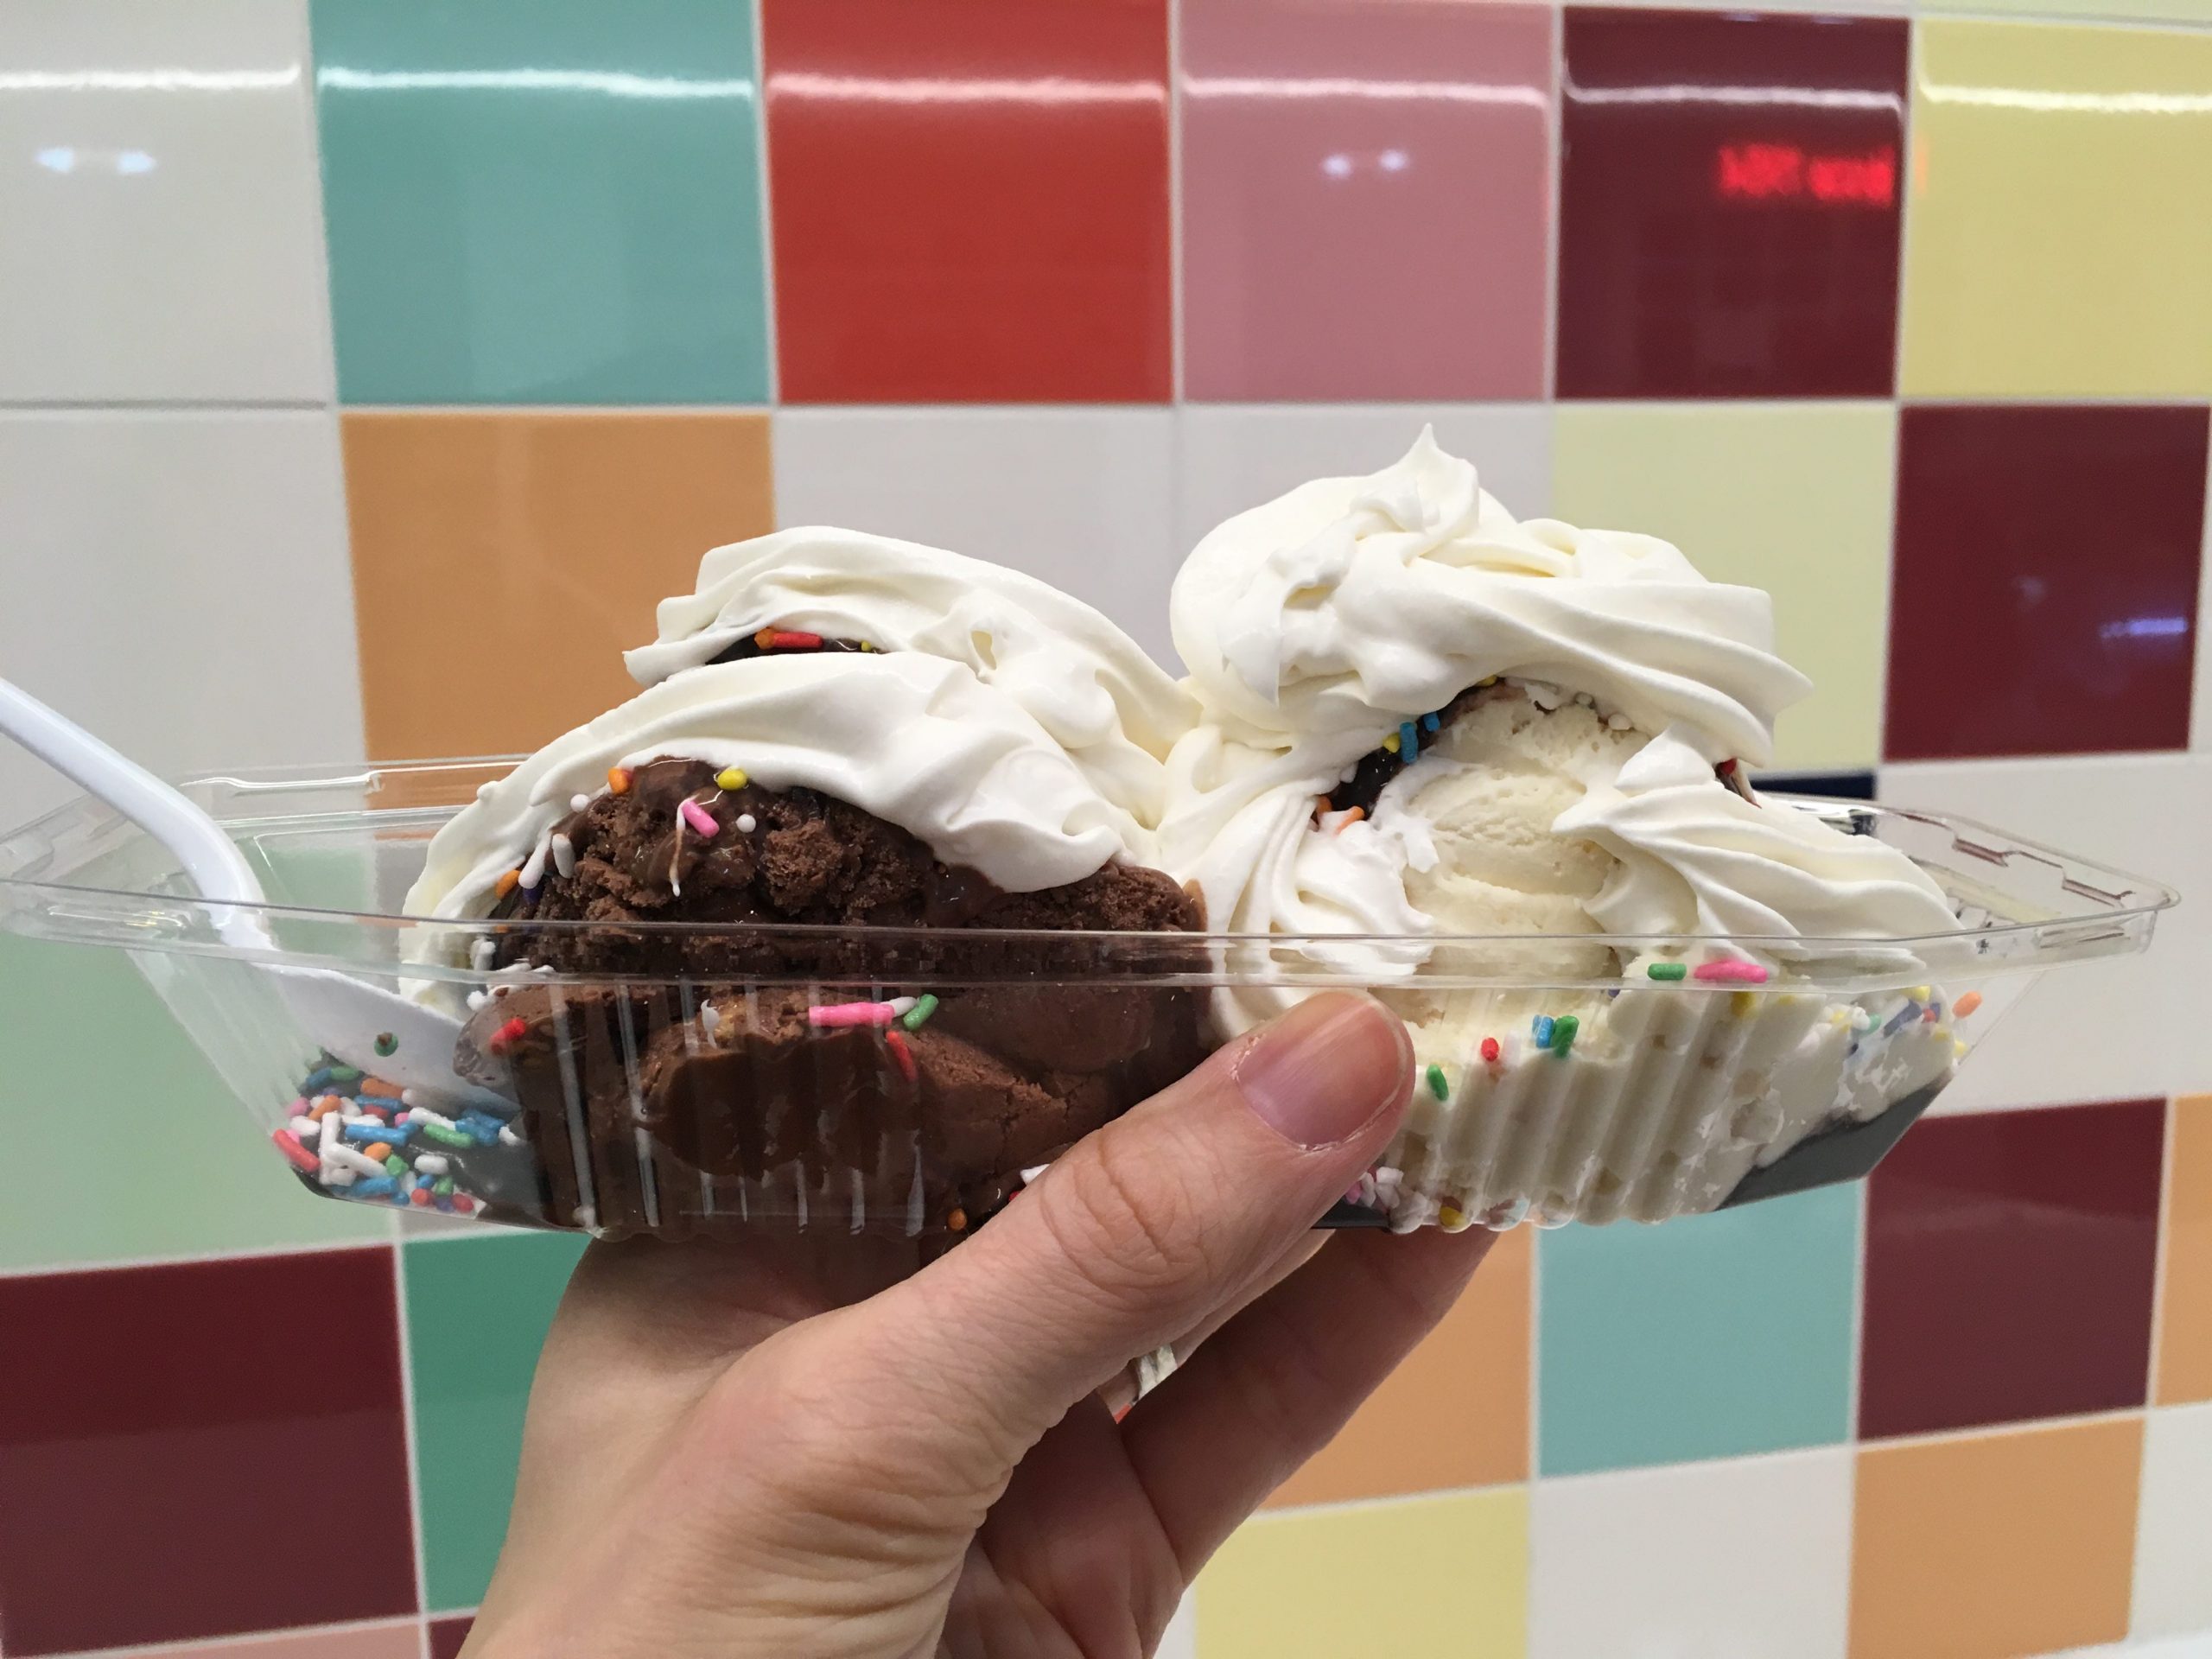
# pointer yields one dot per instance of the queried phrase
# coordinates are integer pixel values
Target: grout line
(407, 1421)
(1175, 316)
(320, 210)
(1992, 1431)
(190, 1258)
(1555, 156)
(166, 405)
(1861, 1237)
(1536, 1351)
(1379, 1500)
(2170, 1144)
(770, 339)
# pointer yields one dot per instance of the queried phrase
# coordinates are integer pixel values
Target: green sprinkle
(1437, 1085)
(396, 1165)
(444, 1187)
(1669, 970)
(917, 1016)
(446, 1137)
(1563, 1030)
(346, 1073)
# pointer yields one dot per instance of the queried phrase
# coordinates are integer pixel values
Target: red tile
(446, 1637)
(195, 1451)
(2044, 599)
(969, 199)
(2009, 1266)
(1728, 204)
(1366, 196)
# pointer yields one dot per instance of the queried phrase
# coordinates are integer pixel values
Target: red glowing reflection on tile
(201, 1450)
(970, 201)
(2044, 591)
(1728, 216)
(2010, 1258)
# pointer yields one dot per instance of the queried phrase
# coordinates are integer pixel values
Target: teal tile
(542, 201)
(122, 1142)
(1705, 1337)
(477, 1311)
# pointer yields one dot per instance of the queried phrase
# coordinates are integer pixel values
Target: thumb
(1138, 1233)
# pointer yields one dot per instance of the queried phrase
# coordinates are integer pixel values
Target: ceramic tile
(2066, 653)
(477, 1311)
(2047, 259)
(2096, 1030)
(1327, 1580)
(159, 193)
(85, 1052)
(1229, 458)
(1792, 498)
(1316, 135)
(1180, 1639)
(1455, 1414)
(1083, 498)
(2173, 1529)
(177, 583)
(263, 1425)
(1959, 1550)
(970, 199)
(403, 1641)
(2185, 1311)
(522, 554)
(1746, 1559)
(2010, 1258)
(1710, 1337)
(1728, 208)
(550, 202)
(446, 1637)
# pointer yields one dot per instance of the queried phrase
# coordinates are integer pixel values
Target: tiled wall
(367, 367)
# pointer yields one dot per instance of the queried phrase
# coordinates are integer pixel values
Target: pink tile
(1365, 194)
(382, 1641)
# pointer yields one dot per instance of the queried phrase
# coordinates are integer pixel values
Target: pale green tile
(1794, 498)
(121, 1141)
(542, 201)
(477, 1314)
(1709, 1337)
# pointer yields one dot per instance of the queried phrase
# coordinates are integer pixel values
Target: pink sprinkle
(1729, 971)
(700, 819)
(853, 1014)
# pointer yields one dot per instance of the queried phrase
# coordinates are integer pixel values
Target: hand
(804, 1446)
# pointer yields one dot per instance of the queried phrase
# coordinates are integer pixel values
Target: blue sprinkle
(1408, 741)
(318, 1082)
(1903, 1017)
(1430, 722)
(482, 1129)
(364, 1133)
(1543, 1030)
(377, 1187)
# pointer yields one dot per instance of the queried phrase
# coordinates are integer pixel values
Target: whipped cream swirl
(917, 740)
(1085, 680)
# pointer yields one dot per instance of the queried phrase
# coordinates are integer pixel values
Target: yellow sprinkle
(1745, 1003)
(1958, 1050)
(730, 777)
(865, 645)
(1391, 742)
(1921, 994)
(1448, 1218)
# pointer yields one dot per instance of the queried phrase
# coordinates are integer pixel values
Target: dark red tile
(2044, 599)
(2009, 1266)
(1728, 206)
(446, 1637)
(969, 199)
(195, 1451)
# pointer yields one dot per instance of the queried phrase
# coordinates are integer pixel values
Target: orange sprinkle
(957, 1221)
(1966, 1005)
(1352, 818)
(377, 1150)
(618, 780)
(764, 636)
(509, 880)
(379, 1087)
(322, 1107)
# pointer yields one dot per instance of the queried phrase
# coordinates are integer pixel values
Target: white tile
(162, 224)
(1235, 456)
(179, 583)
(2105, 1030)
(2173, 1531)
(1180, 1639)
(1737, 1560)
(1083, 498)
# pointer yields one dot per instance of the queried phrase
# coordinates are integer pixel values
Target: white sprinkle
(476, 1000)
(431, 1163)
(339, 1175)
(345, 1157)
(533, 869)
(1618, 723)
(564, 855)
(747, 824)
(481, 954)
(407, 1097)
(578, 802)
(331, 1126)
(507, 1135)
(1029, 1176)
(423, 1114)
(306, 1127)
(710, 1021)
(902, 1005)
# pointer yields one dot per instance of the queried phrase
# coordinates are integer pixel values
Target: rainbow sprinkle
(1667, 970)
(917, 1016)
(1728, 970)
(1563, 1030)
(702, 821)
(852, 1014)
(1437, 1083)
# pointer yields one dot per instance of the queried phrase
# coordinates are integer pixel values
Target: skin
(830, 1446)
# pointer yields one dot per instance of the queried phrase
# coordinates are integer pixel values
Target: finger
(1121, 1393)
(1276, 1383)
(1140, 1231)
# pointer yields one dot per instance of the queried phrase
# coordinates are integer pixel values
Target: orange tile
(1995, 1545)
(2185, 1318)
(504, 561)
(1456, 1413)
(381, 1642)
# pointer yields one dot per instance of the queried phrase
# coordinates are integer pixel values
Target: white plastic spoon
(344, 1015)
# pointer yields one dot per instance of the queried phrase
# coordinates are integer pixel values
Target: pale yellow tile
(2057, 239)
(1455, 1570)
(1793, 498)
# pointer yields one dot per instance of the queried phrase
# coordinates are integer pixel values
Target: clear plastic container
(680, 1105)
